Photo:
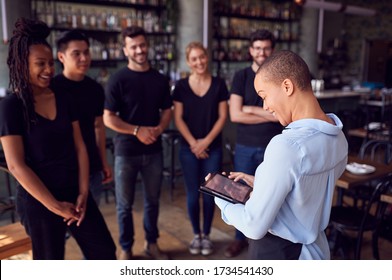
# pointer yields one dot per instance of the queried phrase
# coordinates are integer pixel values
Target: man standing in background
(74, 54)
(138, 107)
(255, 126)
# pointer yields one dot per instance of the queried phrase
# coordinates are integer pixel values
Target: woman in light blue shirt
(289, 208)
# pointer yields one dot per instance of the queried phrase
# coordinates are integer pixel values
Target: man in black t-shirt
(88, 95)
(138, 107)
(255, 126)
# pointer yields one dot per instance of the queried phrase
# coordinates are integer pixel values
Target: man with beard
(138, 107)
(255, 126)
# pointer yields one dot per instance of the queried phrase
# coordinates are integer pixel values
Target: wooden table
(387, 198)
(349, 180)
(13, 240)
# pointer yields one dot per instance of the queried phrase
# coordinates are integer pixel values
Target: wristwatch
(135, 130)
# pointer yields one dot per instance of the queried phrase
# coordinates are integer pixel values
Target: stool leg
(172, 171)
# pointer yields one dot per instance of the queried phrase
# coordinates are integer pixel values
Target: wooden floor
(174, 228)
(176, 232)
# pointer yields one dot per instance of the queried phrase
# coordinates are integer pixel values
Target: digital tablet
(225, 188)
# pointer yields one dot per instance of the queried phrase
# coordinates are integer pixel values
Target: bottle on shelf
(234, 21)
(102, 22)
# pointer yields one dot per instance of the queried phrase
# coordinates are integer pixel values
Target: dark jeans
(47, 230)
(126, 170)
(247, 159)
(194, 171)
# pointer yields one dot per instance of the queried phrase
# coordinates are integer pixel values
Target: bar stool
(171, 138)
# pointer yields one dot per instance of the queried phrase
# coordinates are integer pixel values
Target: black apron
(272, 247)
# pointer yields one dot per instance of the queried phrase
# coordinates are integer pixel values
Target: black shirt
(89, 99)
(254, 135)
(138, 98)
(49, 145)
(201, 113)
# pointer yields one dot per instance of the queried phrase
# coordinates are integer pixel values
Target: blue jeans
(194, 171)
(96, 186)
(247, 159)
(126, 169)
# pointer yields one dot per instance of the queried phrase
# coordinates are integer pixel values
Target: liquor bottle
(92, 18)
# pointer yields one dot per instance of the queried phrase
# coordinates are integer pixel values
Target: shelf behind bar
(257, 18)
(116, 4)
(108, 31)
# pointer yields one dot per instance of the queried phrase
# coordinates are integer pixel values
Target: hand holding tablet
(219, 185)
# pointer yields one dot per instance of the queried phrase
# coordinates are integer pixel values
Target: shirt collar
(320, 125)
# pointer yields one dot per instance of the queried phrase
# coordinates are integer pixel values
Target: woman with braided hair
(44, 150)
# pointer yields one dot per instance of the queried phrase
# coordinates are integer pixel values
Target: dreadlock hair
(26, 33)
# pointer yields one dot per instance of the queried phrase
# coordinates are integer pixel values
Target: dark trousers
(47, 230)
(272, 247)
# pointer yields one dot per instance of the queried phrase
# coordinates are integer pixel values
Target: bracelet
(135, 130)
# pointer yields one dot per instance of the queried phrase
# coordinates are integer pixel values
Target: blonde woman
(200, 112)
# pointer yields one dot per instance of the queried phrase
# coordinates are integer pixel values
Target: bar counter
(326, 94)
(335, 101)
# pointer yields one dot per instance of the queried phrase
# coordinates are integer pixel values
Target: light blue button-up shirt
(294, 186)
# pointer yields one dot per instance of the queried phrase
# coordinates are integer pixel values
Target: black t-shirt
(254, 135)
(89, 99)
(201, 113)
(49, 145)
(138, 98)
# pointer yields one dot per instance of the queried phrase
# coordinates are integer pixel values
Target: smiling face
(76, 59)
(41, 66)
(136, 50)
(197, 61)
(274, 97)
(260, 50)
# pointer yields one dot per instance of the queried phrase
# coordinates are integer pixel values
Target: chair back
(374, 202)
(377, 150)
(350, 219)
